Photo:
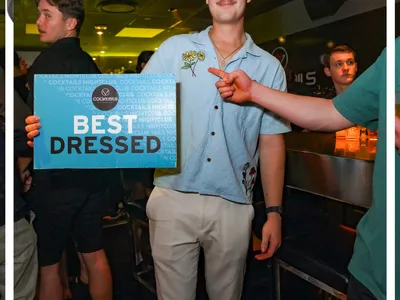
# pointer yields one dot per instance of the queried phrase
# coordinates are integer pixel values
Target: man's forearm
(316, 114)
(272, 168)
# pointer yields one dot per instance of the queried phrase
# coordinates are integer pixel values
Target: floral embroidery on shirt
(249, 178)
(191, 58)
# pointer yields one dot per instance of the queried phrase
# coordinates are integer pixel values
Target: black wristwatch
(275, 209)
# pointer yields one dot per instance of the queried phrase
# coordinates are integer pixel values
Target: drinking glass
(353, 133)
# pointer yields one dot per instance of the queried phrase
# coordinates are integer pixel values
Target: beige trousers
(181, 223)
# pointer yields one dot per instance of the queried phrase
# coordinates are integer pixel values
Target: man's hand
(397, 133)
(26, 180)
(235, 86)
(271, 236)
(32, 128)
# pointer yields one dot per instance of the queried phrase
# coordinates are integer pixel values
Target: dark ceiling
(193, 14)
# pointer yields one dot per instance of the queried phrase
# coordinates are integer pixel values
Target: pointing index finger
(218, 72)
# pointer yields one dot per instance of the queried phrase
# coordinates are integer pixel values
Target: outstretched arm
(307, 112)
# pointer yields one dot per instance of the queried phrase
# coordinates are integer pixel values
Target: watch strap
(275, 209)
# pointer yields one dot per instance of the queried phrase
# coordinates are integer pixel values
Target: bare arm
(272, 167)
(307, 112)
(316, 114)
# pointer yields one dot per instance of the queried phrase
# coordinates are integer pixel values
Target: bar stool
(140, 231)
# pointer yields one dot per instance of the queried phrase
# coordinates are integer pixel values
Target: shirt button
(208, 159)
(213, 133)
(216, 107)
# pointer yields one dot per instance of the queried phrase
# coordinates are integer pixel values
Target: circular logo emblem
(281, 55)
(105, 97)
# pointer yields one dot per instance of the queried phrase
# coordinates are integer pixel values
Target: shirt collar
(202, 38)
(66, 42)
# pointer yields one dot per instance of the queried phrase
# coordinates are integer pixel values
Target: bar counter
(338, 169)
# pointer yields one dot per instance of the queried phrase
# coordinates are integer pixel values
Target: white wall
(292, 17)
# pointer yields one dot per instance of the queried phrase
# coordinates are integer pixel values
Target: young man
(206, 202)
(340, 64)
(363, 103)
(67, 199)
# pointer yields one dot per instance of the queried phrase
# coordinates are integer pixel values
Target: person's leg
(54, 209)
(357, 291)
(88, 234)
(99, 275)
(175, 224)
(64, 276)
(225, 241)
(84, 272)
(25, 261)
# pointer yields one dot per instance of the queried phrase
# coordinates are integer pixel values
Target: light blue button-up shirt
(218, 140)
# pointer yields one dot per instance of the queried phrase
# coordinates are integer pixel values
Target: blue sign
(105, 121)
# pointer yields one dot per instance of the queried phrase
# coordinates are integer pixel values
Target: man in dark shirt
(67, 199)
(340, 64)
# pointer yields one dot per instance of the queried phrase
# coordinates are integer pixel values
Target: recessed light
(117, 7)
(102, 52)
(130, 61)
(99, 32)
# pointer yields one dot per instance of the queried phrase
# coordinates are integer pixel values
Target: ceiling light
(100, 27)
(117, 6)
(31, 29)
(176, 24)
(139, 32)
(102, 52)
(99, 32)
(94, 58)
(282, 40)
(156, 49)
(130, 61)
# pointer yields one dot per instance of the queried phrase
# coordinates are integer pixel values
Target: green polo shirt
(364, 103)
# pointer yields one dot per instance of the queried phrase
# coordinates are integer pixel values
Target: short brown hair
(70, 9)
(341, 48)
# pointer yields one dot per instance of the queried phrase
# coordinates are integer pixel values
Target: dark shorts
(357, 291)
(62, 211)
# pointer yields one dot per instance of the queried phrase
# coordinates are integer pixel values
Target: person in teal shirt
(363, 103)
